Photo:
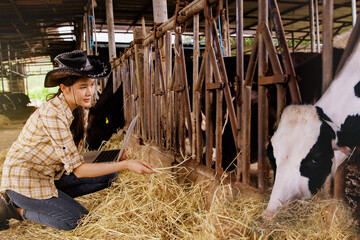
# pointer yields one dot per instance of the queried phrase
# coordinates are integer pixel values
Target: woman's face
(80, 93)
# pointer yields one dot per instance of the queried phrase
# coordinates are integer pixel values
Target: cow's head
(301, 154)
(106, 117)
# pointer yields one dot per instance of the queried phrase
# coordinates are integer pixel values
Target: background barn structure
(154, 74)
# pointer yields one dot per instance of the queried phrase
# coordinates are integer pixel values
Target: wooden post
(262, 99)
(209, 96)
(243, 160)
(140, 73)
(159, 11)
(111, 35)
(327, 52)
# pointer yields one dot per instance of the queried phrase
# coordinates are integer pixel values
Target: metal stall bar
(245, 130)
(243, 161)
(111, 34)
(312, 25)
(209, 95)
(197, 143)
(2, 69)
(279, 77)
(140, 73)
(168, 64)
(262, 99)
(289, 67)
(327, 55)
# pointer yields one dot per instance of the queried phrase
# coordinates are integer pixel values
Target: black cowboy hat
(78, 64)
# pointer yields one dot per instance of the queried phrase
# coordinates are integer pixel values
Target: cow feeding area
(157, 207)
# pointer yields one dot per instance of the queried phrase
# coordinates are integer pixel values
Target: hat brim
(99, 70)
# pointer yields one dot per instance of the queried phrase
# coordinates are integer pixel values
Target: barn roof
(30, 27)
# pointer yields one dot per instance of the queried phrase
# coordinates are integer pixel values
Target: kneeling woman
(44, 170)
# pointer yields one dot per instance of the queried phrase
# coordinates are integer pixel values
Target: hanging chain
(206, 11)
(179, 6)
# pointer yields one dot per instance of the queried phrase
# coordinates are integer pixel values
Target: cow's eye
(106, 120)
(313, 161)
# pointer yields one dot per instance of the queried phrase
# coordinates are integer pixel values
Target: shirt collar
(61, 103)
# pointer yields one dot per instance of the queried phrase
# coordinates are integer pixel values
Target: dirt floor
(9, 131)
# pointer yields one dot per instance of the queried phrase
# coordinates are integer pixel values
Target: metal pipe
(317, 26)
(262, 99)
(159, 11)
(197, 136)
(168, 64)
(2, 68)
(111, 33)
(209, 96)
(312, 23)
(243, 158)
(289, 67)
(10, 74)
(327, 52)
(353, 11)
(185, 14)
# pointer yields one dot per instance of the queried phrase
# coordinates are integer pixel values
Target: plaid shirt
(44, 150)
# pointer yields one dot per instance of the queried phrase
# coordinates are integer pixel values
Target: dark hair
(77, 127)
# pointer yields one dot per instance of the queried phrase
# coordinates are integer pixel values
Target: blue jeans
(62, 212)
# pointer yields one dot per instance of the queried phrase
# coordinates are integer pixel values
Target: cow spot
(349, 134)
(316, 166)
(357, 89)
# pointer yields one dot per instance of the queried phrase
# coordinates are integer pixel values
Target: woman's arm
(100, 169)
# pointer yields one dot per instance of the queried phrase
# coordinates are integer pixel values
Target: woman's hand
(138, 166)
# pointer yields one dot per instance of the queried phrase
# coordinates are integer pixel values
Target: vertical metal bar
(87, 37)
(219, 114)
(327, 55)
(17, 71)
(292, 42)
(228, 28)
(312, 25)
(209, 96)
(140, 74)
(227, 92)
(317, 26)
(150, 93)
(111, 34)
(242, 161)
(187, 106)
(289, 67)
(246, 111)
(276, 67)
(10, 80)
(94, 25)
(168, 57)
(262, 99)
(353, 8)
(197, 136)
(2, 69)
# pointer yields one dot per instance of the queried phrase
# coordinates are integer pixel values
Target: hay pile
(157, 207)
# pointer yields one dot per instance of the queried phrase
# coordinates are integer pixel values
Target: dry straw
(157, 207)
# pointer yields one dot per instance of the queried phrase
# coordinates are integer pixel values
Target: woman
(44, 169)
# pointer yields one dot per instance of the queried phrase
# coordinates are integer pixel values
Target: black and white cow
(311, 140)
